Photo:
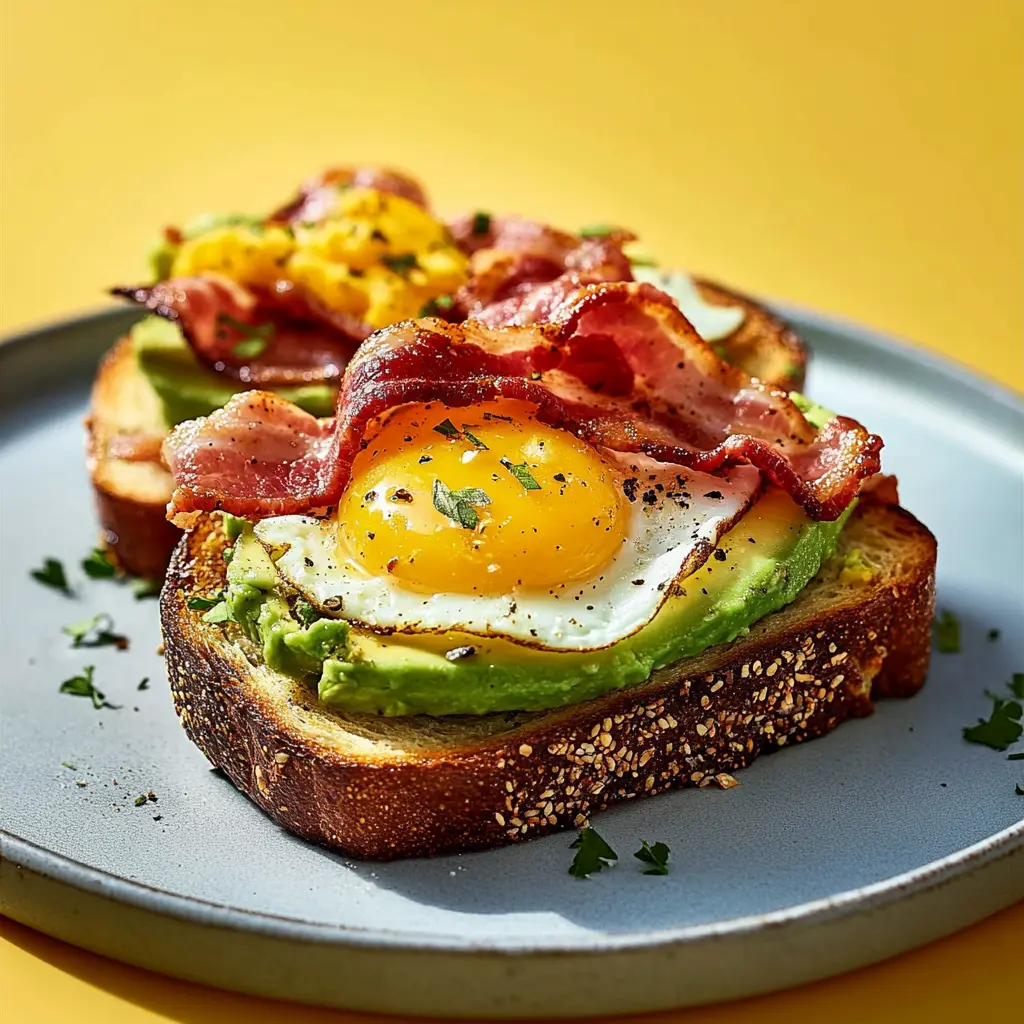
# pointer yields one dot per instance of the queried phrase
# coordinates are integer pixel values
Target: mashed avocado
(188, 389)
(770, 556)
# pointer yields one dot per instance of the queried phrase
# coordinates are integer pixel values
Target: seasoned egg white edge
(664, 541)
(711, 322)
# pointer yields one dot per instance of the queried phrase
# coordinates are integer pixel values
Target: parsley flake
(598, 231)
(522, 474)
(98, 566)
(656, 856)
(1019, 789)
(593, 854)
(52, 575)
(993, 635)
(1015, 757)
(306, 612)
(141, 799)
(400, 264)
(946, 631)
(255, 337)
(143, 684)
(473, 439)
(1001, 729)
(96, 632)
(1016, 685)
(447, 428)
(204, 604)
(481, 223)
(83, 686)
(458, 505)
(437, 306)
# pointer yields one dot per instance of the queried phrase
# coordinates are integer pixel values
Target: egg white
(711, 322)
(668, 536)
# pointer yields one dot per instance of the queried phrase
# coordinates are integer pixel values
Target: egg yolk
(483, 500)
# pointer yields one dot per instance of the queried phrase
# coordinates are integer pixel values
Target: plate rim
(1002, 847)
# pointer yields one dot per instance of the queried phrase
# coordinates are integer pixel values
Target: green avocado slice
(188, 389)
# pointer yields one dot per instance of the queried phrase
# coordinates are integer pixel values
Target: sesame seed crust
(388, 788)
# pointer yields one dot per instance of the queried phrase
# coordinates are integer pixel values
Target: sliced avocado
(188, 389)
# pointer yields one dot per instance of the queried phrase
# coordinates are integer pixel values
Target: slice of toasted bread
(764, 345)
(400, 787)
(131, 495)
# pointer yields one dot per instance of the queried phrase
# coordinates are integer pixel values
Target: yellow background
(864, 158)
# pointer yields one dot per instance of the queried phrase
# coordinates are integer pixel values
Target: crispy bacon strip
(274, 339)
(620, 367)
(522, 271)
(317, 196)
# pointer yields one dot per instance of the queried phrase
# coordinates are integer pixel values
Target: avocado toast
(483, 604)
(298, 284)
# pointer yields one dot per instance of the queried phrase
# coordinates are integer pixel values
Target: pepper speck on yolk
(566, 529)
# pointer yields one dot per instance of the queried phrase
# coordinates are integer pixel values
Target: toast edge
(752, 697)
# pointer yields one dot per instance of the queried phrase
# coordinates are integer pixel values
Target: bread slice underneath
(401, 787)
(131, 496)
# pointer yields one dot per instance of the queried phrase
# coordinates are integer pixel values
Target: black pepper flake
(426, 458)
(308, 561)
(401, 494)
(560, 477)
(638, 583)
(720, 554)
(392, 562)
(650, 498)
(458, 653)
(370, 536)
(630, 487)
(717, 495)
(370, 496)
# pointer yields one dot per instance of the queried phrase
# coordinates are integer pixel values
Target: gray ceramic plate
(884, 835)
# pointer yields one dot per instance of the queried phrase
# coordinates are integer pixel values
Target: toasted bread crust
(795, 676)
(131, 498)
(764, 345)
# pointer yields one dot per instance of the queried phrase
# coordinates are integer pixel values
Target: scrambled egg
(376, 256)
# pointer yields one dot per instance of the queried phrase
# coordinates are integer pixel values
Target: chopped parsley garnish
(220, 612)
(143, 588)
(597, 231)
(1019, 789)
(83, 686)
(400, 264)
(993, 635)
(141, 799)
(436, 306)
(143, 683)
(204, 604)
(473, 439)
(946, 631)
(522, 474)
(1015, 757)
(458, 505)
(481, 223)
(1001, 729)
(96, 632)
(98, 566)
(536, 375)
(593, 854)
(306, 612)
(52, 575)
(447, 428)
(656, 856)
(1016, 685)
(68, 764)
(256, 337)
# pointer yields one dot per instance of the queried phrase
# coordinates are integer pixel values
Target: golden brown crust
(764, 345)
(131, 497)
(798, 674)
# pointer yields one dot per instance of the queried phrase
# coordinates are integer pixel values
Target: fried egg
(488, 522)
